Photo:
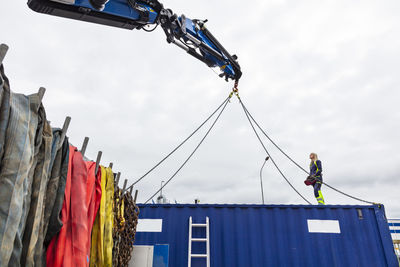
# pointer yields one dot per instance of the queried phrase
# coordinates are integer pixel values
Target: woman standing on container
(316, 176)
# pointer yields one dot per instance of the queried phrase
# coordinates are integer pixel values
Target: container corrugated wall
(276, 235)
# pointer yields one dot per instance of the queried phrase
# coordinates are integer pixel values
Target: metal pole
(125, 183)
(64, 131)
(261, 182)
(161, 188)
(117, 178)
(84, 145)
(99, 154)
(3, 52)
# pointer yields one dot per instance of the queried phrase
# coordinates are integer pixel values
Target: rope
(194, 151)
(266, 150)
(298, 165)
(176, 148)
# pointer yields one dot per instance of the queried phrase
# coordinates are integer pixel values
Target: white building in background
(394, 226)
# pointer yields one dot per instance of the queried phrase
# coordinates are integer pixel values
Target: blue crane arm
(190, 35)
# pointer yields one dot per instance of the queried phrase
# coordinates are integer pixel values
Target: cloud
(318, 76)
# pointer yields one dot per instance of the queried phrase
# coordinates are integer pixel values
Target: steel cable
(298, 165)
(176, 148)
(350, 196)
(266, 150)
(283, 152)
(194, 151)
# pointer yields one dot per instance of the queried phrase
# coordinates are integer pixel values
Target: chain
(235, 86)
(235, 91)
(119, 223)
(127, 235)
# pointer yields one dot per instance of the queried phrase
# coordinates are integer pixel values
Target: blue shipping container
(271, 235)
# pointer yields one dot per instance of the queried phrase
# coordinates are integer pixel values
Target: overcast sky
(319, 76)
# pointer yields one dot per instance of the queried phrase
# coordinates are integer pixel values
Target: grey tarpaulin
(15, 174)
(33, 170)
(38, 191)
(4, 108)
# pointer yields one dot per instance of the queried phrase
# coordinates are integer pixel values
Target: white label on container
(323, 226)
(149, 225)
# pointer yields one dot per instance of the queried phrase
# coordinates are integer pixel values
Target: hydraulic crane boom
(190, 35)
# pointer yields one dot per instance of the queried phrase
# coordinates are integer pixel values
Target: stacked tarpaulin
(32, 173)
(101, 251)
(55, 209)
(81, 201)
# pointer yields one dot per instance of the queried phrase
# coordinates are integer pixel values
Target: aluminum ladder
(206, 240)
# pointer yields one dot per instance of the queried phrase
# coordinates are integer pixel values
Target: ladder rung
(198, 255)
(199, 224)
(199, 239)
